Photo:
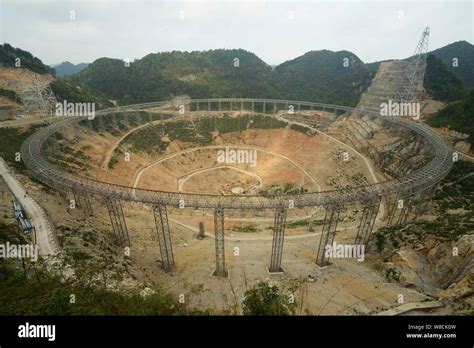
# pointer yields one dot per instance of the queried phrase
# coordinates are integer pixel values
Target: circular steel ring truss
(418, 180)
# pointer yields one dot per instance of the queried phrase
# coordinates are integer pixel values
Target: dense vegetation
(317, 76)
(265, 299)
(440, 82)
(321, 76)
(464, 52)
(458, 115)
(64, 90)
(22, 294)
(314, 76)
(160, 76)
(8, 54)
(11, 141)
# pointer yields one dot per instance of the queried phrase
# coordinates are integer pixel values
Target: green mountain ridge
(320, 76)
(464, 52)
(9, 54)
(67, 68)
(325, 76)
(315, 76)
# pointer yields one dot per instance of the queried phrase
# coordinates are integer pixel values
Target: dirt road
(44, 232)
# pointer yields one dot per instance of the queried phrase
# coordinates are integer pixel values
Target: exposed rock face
(443, 269)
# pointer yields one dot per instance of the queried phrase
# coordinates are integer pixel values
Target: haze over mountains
(67, 68)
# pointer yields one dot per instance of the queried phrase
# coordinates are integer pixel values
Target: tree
(265, 299)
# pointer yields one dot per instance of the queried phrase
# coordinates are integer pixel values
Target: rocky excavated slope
(435, 253)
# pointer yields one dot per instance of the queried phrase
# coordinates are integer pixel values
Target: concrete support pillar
(278, 238)
(202, 233)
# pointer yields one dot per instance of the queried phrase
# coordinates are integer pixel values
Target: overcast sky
(274, 30)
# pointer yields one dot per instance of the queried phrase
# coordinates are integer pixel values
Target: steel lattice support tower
(117, 219)
(327, 234)
(392, 209)
(83, 201)
(399, 210)
(220, 250)
(278, 237)
(37, 97)
(164, 237)
(402, 218)
(414, 73)
(87, 205)
(423, 198)
(367, 222)
(77, 199)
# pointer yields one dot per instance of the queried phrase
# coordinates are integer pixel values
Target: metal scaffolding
(87, 205)
(278, 237)
(424, 198)
(117, 218)
(37, 97)
(414, 73)
(77, 199)
(367, 222)
(220, 250)
(418, 180)
(83, 201)
(327, 234)
(164, 236)
(399, 209)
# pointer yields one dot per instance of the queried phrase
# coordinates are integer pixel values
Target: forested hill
(9, 54)
(331, 77)
(463, 51)
(68, 69)
(440, 82)
(458, 115)
(460, 52)
(159, 76)
(315, 76)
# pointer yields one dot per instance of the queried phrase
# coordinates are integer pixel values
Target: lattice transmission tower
(37, 97)
(414, 73)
